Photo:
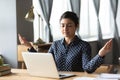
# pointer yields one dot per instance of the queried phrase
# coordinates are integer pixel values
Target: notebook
(42, 65)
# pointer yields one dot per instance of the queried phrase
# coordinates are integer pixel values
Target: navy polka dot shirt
(74, 57)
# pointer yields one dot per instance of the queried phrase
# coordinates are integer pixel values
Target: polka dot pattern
(74, 57)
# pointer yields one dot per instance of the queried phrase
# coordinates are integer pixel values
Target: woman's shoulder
(81, 40)
(85, 43)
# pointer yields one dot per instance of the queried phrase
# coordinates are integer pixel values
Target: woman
(71, 53)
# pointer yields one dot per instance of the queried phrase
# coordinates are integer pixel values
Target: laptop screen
(41, 64)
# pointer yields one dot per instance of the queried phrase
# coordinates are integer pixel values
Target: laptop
(42, 65)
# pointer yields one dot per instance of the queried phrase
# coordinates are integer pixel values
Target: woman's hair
(70, 15)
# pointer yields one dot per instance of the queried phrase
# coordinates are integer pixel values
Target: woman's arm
(23, 41)
(91, 65)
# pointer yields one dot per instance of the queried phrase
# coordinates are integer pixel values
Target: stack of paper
(84, 78)
(91, 78)
(105, 79)
(110, 76)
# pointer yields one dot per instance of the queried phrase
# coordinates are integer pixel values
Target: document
(84, 78)
(90, 78)
(106, 79)
(110, 76)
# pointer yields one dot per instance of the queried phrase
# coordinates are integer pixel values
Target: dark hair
(70, 15)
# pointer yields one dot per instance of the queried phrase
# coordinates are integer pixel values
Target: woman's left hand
(106, 48)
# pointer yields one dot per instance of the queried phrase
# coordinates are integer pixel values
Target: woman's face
(68, 27)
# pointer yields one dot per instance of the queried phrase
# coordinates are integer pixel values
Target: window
(59, 7)
(88, 19)
(106, 19)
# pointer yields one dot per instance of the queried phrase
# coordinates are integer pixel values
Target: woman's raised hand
(23, 41)
(106, 48)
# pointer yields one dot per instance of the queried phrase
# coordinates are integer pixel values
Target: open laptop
(43, 65)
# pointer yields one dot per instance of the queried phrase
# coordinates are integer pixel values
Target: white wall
(8, 37)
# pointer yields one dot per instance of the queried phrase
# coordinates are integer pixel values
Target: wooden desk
(21, 74)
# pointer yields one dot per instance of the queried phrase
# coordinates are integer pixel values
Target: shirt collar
(75, 40)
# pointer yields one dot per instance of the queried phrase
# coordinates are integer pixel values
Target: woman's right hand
(23, 41)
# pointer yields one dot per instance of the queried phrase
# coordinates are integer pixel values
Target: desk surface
(21, 74)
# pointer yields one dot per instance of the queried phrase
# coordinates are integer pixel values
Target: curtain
(100, 40)
(113, 15)
(116, 43)
(43, 8)
(74, 5)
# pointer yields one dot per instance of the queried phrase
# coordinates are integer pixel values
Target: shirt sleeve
(90, 65)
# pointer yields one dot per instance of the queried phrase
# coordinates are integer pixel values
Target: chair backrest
(21, 48)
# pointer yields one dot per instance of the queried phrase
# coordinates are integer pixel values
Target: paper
(91, 78)
(105, 79)
(110, 76)
(84, 78)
